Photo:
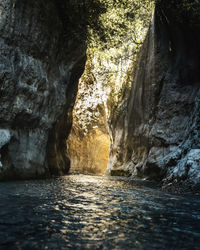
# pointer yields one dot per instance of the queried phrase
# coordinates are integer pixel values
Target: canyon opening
(99, 124)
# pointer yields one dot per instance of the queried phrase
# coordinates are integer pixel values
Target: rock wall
(158, 136)
(155, 134)
(89, 141)
(41, 59)
(105, 84)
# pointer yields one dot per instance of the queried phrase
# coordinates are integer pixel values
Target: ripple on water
(95, 212)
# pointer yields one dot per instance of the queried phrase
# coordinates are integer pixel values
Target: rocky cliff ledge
(159, 136)
(41, 59)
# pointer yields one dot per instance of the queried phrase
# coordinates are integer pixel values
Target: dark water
(93, 212)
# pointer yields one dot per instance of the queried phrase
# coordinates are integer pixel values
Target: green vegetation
(119, 22)
(116, 30)
(108, 21)
(113, 46)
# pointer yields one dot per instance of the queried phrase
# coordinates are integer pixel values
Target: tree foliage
(118, 22)
(114, 38)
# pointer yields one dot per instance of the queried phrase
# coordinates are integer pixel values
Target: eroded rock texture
(158, 136)
(106, 82)
(89, 141)
(41, 60)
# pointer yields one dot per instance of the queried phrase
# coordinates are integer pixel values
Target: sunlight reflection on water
(95, 212)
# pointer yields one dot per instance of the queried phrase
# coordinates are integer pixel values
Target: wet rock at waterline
(40, 63)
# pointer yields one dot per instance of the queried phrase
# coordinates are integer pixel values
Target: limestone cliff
(145, 105)
(159, 135)
(41, 59)
(88, 142)
(105, 84)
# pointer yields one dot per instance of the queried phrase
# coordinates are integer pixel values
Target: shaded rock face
(40, 64)
(159, 135)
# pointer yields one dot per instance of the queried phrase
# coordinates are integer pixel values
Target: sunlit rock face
(159, 136)
(98, 99)
(89, 141)
(89, 153)
(105, 84)
(40, 64)
(101, 94)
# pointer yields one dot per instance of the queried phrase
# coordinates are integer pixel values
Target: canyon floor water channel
(95, 212)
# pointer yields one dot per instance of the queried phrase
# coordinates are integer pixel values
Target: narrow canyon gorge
(99, 124)
(84, 91)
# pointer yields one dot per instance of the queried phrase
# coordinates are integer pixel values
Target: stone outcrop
(105, 84)
(41, 59)
(158, 136)
(89, 141)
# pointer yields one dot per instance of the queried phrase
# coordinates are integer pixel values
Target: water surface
(95, 212)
